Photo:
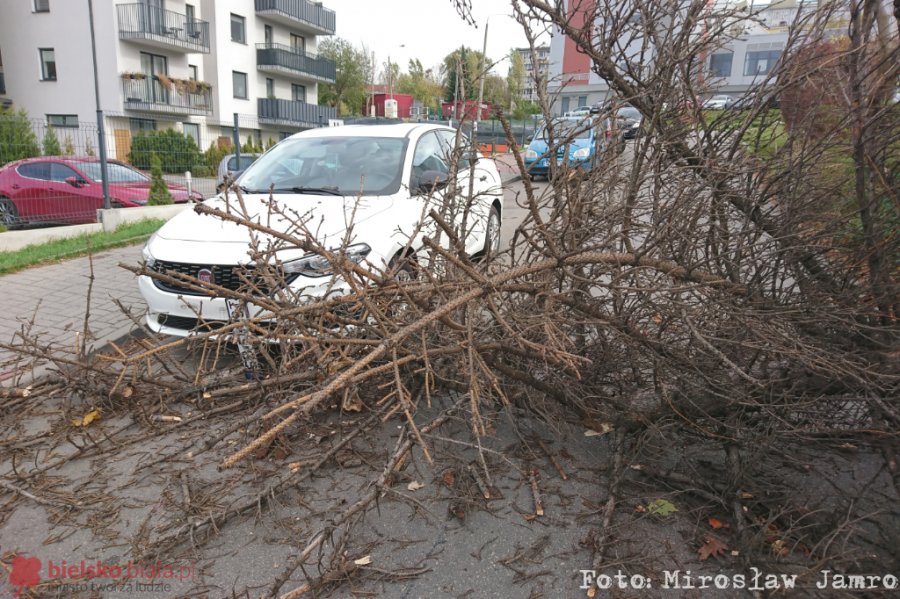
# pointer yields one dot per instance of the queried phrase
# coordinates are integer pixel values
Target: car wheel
(9, 216)
(492, 234)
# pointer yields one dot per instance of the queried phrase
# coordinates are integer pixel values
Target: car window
(567, 129)
(61, 172)
(35, 170)
(629, 112)
(430, 155)
(245, 161)
(118, 173)
(351, 165)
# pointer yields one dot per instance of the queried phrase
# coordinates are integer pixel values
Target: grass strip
(72, 247)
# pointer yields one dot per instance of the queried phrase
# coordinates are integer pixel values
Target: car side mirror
(75, 181)
(430, 181)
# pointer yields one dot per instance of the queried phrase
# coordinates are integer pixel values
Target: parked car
(60, 189)
(629, 120)
(233, 165)
(581, 111)
(585, 139)
(720, 102)
(379, 178)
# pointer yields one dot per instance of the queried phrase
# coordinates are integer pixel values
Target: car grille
(227, 276)
(186, 323)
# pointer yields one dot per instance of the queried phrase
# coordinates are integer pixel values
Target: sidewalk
(56, 296)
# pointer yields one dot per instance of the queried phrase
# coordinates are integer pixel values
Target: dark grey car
(231, 164)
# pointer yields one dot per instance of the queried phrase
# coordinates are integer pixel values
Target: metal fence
(50, 172)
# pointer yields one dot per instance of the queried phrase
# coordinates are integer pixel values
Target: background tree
(468, 63)
(159, 191)
(17, 138)
(421, 84)
(515, 78)
(51, 143)
(353, 73)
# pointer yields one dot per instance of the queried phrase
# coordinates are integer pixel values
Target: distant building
(533, 78)
(404, 104)
(746, 53)
(169, 64)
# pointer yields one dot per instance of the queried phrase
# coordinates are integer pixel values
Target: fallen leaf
(87, 418)
(716, 523)
(745, 495)
(363, 561)
(414, 486)
(281, 452)
(661, 507)
(640, 509)
(779, 548)
(592, 592)
(711, 547)
(294, 466)
(449, 477)
(595, 428)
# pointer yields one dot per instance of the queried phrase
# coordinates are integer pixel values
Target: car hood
(202, 238)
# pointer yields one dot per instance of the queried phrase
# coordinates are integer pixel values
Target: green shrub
(159, 192)
(89, 149)
(51, 143)
(201, 170)
(214, 155)
(68, 146)
(17, 138)
(176, 151)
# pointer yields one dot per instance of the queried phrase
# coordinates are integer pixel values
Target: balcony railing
(162, 28)
(150, 95)
(293, 61)
(293, 114)
(2, 83)
(312, 15)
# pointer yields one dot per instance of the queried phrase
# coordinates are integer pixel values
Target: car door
(29, 191)
(72, 203)
(457, 147)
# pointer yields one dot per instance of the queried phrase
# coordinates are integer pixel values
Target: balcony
(304, 15)
(286, 60)
(164, 29)
(2, 83)
(150, 95)
(293, 114)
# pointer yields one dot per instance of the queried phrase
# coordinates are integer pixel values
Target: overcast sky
(428, 29)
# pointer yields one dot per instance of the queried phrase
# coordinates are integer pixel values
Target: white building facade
(186, 65)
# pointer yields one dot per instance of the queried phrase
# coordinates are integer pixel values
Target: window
(35, 170)
(239, 84)
(238, 29)
(190, 21)
(61, 172)
(192, 69)
(298, 93)
(142, 125)
(582, 101)
(41, 5)
(62, 120)
(720, 64)
(429, 156)
(298, 43)
(192, 130)
(267, 34)
(48, 64)
(270, 88)
(565, 105)
(760, 63)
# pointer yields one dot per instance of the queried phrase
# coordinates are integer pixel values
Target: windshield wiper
(248, 190)
(332, 191)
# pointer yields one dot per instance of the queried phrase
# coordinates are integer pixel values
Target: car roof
(399, 130)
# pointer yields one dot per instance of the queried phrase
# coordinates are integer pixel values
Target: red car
(58, 189)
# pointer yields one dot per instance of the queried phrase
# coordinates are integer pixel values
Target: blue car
(583, 138)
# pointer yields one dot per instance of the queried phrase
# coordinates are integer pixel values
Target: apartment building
(747, 51)
(187, 65)
(533, 78)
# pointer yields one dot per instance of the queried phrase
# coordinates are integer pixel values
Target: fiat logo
(206, 276)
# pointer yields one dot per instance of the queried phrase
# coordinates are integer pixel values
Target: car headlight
(315, 265)
(145, 253)
(582, 153)
(530, 154)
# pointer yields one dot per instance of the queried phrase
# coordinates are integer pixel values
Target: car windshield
(567, 129)
(118, 173)
(630, 112)
(346, 165)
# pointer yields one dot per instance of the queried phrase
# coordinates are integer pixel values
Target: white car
(718, 102)
(379, 177)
